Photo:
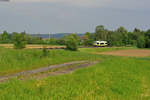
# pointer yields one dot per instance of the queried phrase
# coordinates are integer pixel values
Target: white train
(100, 43)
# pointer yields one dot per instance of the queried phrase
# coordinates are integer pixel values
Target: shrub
(19, 41)
(44, 52)
(71, 43)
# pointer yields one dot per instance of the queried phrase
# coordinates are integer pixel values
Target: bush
(19, 41)
(44, 52)
(19, 45)
(71, 43)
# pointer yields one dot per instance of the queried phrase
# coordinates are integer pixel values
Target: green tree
(71, 43)
(123, 33)
(19, 41)
(101, 33)
(147, 42)
(147, 38)
(4, 37)
(52, 41)
(111, 38)
(136, 30)
(87, 39)
(141, 42)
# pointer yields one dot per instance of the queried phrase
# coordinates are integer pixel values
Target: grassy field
(104, 49)
(113, 78)
(12, 60)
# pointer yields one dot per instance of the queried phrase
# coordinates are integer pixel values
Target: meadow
(13, 60)
(112, 78)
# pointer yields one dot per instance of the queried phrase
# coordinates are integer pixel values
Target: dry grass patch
(130, 53)
(29, 46)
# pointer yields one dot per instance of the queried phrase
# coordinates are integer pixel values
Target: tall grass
(12, 60)
(113, 78)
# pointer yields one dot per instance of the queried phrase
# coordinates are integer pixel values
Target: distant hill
(57, 35)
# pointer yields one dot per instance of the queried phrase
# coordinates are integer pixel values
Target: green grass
(12, 60)
(113, 78)
(97, 50)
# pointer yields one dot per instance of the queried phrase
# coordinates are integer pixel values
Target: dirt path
(37, 72)
(61, 71)
(131, 53)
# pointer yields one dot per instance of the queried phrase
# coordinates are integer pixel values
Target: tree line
(123, 37)
(118, 37)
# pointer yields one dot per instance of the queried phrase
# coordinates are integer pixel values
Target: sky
(70, 16)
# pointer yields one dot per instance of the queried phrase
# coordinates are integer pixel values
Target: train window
(97, 43)
(102, 43)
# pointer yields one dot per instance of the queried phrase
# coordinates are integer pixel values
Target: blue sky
(55, 16)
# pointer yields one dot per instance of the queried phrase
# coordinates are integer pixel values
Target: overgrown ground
(113, 78)
(12, 60)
